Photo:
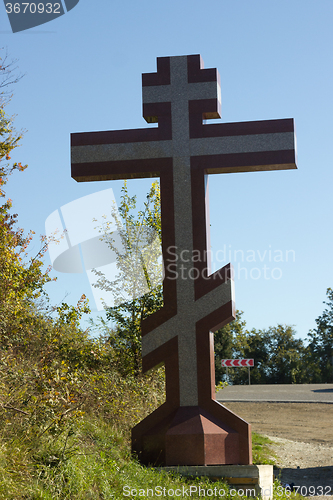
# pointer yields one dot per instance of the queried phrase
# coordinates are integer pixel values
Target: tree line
(279, 357)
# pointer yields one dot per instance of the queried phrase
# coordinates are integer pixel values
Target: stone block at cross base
(254, 480)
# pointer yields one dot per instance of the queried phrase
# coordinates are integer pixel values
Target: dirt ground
(305, 422)
(303, 433)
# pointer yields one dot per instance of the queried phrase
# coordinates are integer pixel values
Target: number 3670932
(33, 8)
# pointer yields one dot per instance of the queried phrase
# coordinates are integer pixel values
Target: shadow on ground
(311, 480)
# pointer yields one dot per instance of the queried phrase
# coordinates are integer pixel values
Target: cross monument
(191, 427)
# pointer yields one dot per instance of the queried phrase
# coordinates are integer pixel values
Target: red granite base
(190, 436)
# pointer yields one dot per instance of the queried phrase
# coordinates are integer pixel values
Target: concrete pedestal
(254, 480)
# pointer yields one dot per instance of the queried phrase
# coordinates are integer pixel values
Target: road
(278, 393)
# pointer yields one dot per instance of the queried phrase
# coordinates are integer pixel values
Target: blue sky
(83, 73)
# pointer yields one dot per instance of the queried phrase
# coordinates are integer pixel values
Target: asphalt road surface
(278, 393)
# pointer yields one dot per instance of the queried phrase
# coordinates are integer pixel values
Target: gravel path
(305, 465)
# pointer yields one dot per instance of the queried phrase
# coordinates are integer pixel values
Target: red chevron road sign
(237, 362)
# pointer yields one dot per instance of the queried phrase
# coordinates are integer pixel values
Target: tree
(278, 355)
(9, 137)
(320, 348)
(21, 278)
(9, 140)
(286, 356)
(8, 77)
(137, 288)
(259, 348)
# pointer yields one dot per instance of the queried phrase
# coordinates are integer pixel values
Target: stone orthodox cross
(191, 427)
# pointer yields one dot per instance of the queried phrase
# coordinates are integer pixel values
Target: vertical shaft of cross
(183, 231)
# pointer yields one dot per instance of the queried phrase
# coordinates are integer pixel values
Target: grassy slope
(94, 462)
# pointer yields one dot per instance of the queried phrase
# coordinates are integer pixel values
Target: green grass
(95, 463)
(261, 451)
